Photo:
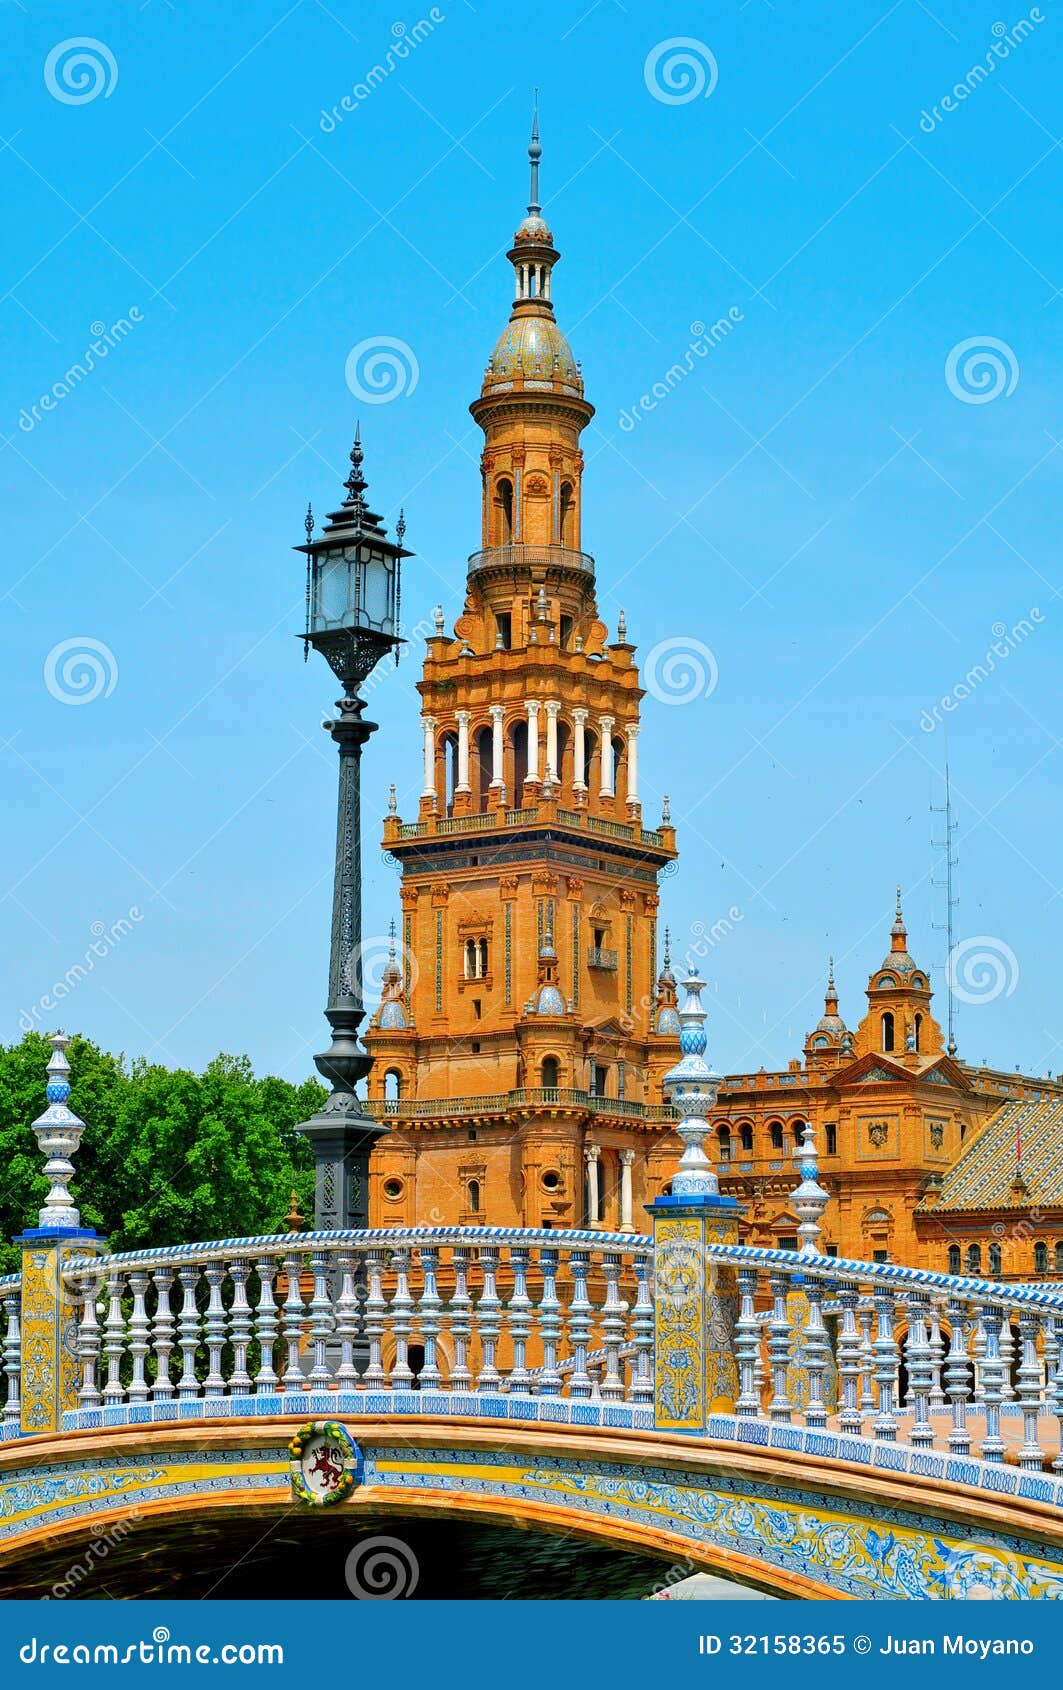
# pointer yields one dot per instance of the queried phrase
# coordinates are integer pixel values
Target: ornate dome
(534, 349)
(668, 1021)
(393, 1016)
(548, 1001)
(898, 960)
(533, 228)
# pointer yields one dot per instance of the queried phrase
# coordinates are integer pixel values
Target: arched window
(918, 1032)
(549, 1072)
(776, 1135)
(994, 1260)
(1059, 1258)
(618, 757)
(450, 760)
(519, 744)
(472, 1192)
(974, 1258)
(564, 516)
(724, 1136)
(481, 957)
(484, 762)
(1040, 1258)
(954, 1258)
(504, 504)
(392, 1085)
(745, 1134)
(887, 1030)
(799, 1133)
(832, 1140)
(592, 764)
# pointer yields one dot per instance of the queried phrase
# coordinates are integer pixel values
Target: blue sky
(843, 517)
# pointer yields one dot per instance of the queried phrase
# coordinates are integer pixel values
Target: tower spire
(535, 153)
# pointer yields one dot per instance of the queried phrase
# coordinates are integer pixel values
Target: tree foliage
(168, 1156)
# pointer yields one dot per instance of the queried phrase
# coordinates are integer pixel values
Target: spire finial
(668, 947)
(535, 153)
(830, 976)
(58, 1133)
(356, 483)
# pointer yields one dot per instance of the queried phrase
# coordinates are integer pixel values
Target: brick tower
(520, 1047)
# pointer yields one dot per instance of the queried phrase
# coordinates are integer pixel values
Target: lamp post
(352, 618)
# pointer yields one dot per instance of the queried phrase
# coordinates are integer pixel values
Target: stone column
(552, 709)
(532, 708)
(627, 1162)
(605, 728)
(591, 1153)
(579, 751)
(497, 713)
(632, 731)
(462, 783)
(428, 726)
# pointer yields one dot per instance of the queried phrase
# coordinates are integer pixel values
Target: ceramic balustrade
(11, 1352)
(481, 1311)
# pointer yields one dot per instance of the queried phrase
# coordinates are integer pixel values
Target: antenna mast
(945, 846)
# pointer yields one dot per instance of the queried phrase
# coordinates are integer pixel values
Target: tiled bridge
(813, 1426)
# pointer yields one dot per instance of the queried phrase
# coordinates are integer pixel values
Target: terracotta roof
(984, 1174)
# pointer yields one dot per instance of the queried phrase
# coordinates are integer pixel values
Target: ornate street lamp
(352, 618)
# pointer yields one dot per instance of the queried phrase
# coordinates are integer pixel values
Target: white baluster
(579, 1325)
(992, 1448)
(428, 1314)
(266, 1325)
(958, 1372)
(13, 1358)
(867, 1361)
(885, 1347)
(779, 1348)
(817, 1349)
(488, 1311)
(293, 1309)
(460, 1316)
(1031, 1455)
(347, 1319)
(747, 1345)
(375, 1317)
(1007, 1357)
(114, 1339)
(849, 1418)
(938, 1402)
(188, 1332)
(240, 1326)
(519, 1321)
(549, 1318)
(88, 1341)
(1057, 1387)
(401, 1317)
(642, 1333)
(138, 1336)
(214, 1385)
(920, 1373)
(321, 1322)
(162, 1334)
(612, 1327)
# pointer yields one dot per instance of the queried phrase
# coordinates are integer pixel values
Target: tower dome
(667, 1022)
(548, 999)
(393, 1017)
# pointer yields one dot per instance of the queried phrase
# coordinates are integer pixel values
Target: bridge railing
(300, 1314)
(909, 1354)
(11, 1351)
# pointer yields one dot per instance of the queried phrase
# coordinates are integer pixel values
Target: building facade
(521, 1045)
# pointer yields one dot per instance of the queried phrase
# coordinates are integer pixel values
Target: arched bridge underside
(798, 1513)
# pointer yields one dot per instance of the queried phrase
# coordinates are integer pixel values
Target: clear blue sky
(814, 502)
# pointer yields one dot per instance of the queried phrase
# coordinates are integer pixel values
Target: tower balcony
(530, 557)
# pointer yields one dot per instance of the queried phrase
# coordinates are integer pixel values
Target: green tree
(168, 1156)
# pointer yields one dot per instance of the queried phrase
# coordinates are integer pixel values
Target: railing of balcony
(529, 557)
(599, 958)
(524, 1096)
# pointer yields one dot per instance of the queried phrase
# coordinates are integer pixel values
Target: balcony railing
(599, 958)
(497, 1103)
(531, 557)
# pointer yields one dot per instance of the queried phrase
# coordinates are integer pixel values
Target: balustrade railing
(431, 1309)
(11, 1350)
(521, 1097)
